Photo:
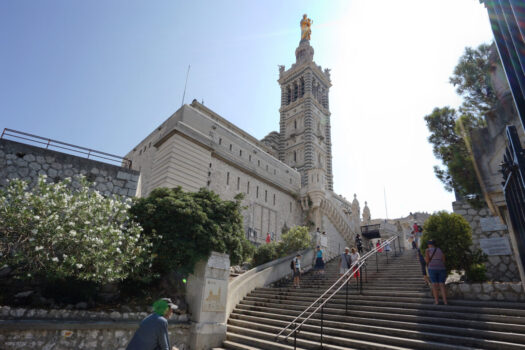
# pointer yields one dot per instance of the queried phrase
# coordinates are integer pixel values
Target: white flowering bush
(57, 231)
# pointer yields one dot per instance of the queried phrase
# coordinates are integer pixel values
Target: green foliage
(449, 146)
(450, 129)
(471, 79)
(452, 234)
(476, 273)
(186, 226)
(57, 232)
(265, 253)
(296, 239)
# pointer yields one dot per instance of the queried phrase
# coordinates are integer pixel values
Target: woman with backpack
(296, 267)
(437, 272)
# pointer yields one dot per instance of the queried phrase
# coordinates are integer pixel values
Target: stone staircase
(395, 311)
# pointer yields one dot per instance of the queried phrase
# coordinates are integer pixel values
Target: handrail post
(47, 145)
(377, 264)
(346, 302)
(387, 256)
(395, 251)
(295, 339)
(361, 281)
(322, 319)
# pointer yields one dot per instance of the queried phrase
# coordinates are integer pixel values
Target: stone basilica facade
(286, 177)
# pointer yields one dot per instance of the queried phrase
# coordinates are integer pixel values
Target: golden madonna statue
(306, 30)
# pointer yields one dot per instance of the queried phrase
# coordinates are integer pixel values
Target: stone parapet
(86, 335)
(26, 162)
(505, 291)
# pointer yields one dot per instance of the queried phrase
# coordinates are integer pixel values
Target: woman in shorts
(437, 272)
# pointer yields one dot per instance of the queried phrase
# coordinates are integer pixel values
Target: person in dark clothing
(423, 268)
(359, 244)
(153, 330)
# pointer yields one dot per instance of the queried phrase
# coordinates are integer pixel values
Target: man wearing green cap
(153, 330)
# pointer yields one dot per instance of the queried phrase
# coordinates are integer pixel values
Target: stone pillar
(206, 294)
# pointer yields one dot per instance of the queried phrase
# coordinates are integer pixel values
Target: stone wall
(501, 268)
(505, 291)
(69, 329)
(21, 161)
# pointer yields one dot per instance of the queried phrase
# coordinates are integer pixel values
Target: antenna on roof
(185, 84)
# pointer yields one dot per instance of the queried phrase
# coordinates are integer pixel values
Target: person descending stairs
(394, 311)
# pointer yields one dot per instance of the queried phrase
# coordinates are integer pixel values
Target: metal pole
(346, 303)
(377, 266)
(395, 251)
(387, 256)
(361, 281)
(295, 339)
(322, 319)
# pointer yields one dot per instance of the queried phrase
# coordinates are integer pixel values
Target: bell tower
(305, 141)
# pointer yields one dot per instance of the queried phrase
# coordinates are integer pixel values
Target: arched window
(295, 91)
(295, 124)
(301, 82)
(294, 156)
(288, 95)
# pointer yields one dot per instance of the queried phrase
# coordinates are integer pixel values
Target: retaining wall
(21, 161)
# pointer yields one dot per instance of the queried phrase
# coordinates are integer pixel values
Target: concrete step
(470, 329)
(343, 338)
(358, 331)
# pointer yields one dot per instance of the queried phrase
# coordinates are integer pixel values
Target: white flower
(37, 217)
(79, 266)
(34, 231)
(55, 259)
(37, 248)
(73, 233)
(118, 250)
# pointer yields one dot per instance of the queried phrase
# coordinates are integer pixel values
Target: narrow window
(248, 188)
(294, 156)
(210, 165)
(290, 207)
(250, 157)
(240, 152)
(220, 141)
(266, 167)
(227, 178)
(274, 199)
(258, 162)
(208, 184)
(230, 146)
(238, 183)
(295, 124)
(257, 192)
(266, 195)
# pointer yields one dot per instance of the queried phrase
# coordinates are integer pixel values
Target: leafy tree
(453, 235)
(57, 232)
(449, 146)
(186, 226)
(265, 253)
(296, 239)
(450, 129)
(471, 79)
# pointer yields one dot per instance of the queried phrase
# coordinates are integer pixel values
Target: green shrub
(453, 235)
(57, 232)
(186, 226)
(265, 253)
(476, 273)
(297, 238)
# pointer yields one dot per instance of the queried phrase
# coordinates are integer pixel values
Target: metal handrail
(66, 146)
(358, 263)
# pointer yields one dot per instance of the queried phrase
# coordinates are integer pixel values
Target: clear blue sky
(103, 74)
